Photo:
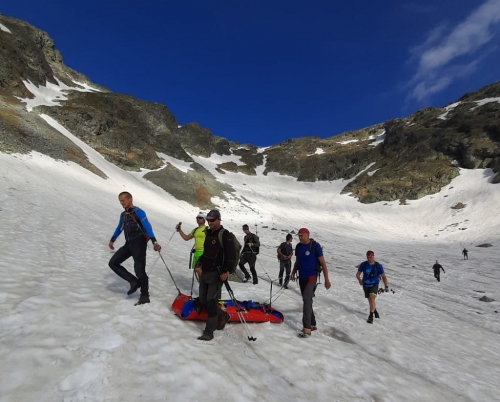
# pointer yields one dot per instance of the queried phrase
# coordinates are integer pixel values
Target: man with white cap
(198, 234)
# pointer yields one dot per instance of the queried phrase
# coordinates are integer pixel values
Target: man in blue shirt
(137, 230)
(371, 271)
(308, 258)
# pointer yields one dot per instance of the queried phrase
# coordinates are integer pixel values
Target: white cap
(202, 215)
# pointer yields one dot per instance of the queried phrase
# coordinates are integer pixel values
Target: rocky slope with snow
(401, 159)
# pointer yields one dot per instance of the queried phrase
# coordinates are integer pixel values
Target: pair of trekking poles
(228, 288)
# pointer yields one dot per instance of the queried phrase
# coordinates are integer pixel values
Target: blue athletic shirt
(307, 260)
(370, 280)
(130, 227)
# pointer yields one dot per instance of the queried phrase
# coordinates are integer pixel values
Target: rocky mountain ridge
(400, 159)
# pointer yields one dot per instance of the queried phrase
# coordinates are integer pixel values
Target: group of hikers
(215, 255)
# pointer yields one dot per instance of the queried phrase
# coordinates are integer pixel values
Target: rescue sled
(185, 307)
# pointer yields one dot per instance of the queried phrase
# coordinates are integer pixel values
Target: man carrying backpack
(198, 234)
(309, 261)
(213, 267)
(437, 270)
(371, 271)
(285, 254)
(249, 253)
(137, 231)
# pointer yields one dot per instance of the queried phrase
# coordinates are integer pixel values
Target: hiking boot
(281, 282)
(305, 333)
(222, 323)
(256, 281)
(133, 288)
(207, 336)
(314, 328)
(245, 280)
(370, 319)
(142, 300)
(376, 314)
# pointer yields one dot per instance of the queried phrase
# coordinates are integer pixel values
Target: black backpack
(255, 249)
(374, 273)
(237, 249)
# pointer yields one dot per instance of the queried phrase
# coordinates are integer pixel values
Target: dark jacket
(217, 255)
(250, 238)
(436, 267)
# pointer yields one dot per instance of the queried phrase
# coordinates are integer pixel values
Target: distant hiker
(213, 269)
(465, 253)
(285, 254)
(198, 234)
(309, 261)
(436, 267)
(249, 253)
(137, 230)
(371, 270)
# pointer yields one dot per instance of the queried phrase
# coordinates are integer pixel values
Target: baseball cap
(201, 215)
(214, 213)
(303, 230)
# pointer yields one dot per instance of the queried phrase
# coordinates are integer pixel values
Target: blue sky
(263, 71)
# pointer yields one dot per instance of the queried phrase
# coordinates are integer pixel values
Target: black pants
(437, 275)
(210, 290)
(249, 258)
(285, 265)
(136, 250)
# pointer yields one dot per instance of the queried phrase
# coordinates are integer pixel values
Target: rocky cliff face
(400, 159)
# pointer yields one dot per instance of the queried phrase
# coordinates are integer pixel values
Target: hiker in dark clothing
(465, 253)
(308, 254)
(371, 271)
(285, 254)
(213, 269)
(437, 267)
(249, 253)
(137, 231)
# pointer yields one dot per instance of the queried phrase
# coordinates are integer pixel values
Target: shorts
(372, 289)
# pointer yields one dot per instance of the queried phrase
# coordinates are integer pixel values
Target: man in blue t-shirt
(371, 271)
(308, 256)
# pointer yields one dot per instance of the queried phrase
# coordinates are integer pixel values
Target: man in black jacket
(213, 269)
(249, 253)
(436, 267)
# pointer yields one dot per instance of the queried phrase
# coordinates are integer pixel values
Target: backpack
(375, 272)
(138, 223)
(282, 248)
(237, 249)
(255, 249)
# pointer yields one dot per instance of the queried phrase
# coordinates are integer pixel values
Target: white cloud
(441, 56)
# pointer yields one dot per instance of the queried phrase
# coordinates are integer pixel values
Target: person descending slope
(309, 261)
(137, 230)
(465, 253)
(285, 254)
(371, 271)
(249, 253)
(437, 267)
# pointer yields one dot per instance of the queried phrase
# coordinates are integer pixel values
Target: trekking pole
(173, 280)
(238, 310)
(180, 223)
(153, 267)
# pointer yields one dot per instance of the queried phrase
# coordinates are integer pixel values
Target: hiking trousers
(307, 288)
(249, 258)
(136, 250)
(210, 289)
(437, 275)
(285, 265)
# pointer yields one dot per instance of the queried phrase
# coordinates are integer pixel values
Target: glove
(178, 227)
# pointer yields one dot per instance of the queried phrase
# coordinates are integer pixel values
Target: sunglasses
(199, 217)
(211, 220)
